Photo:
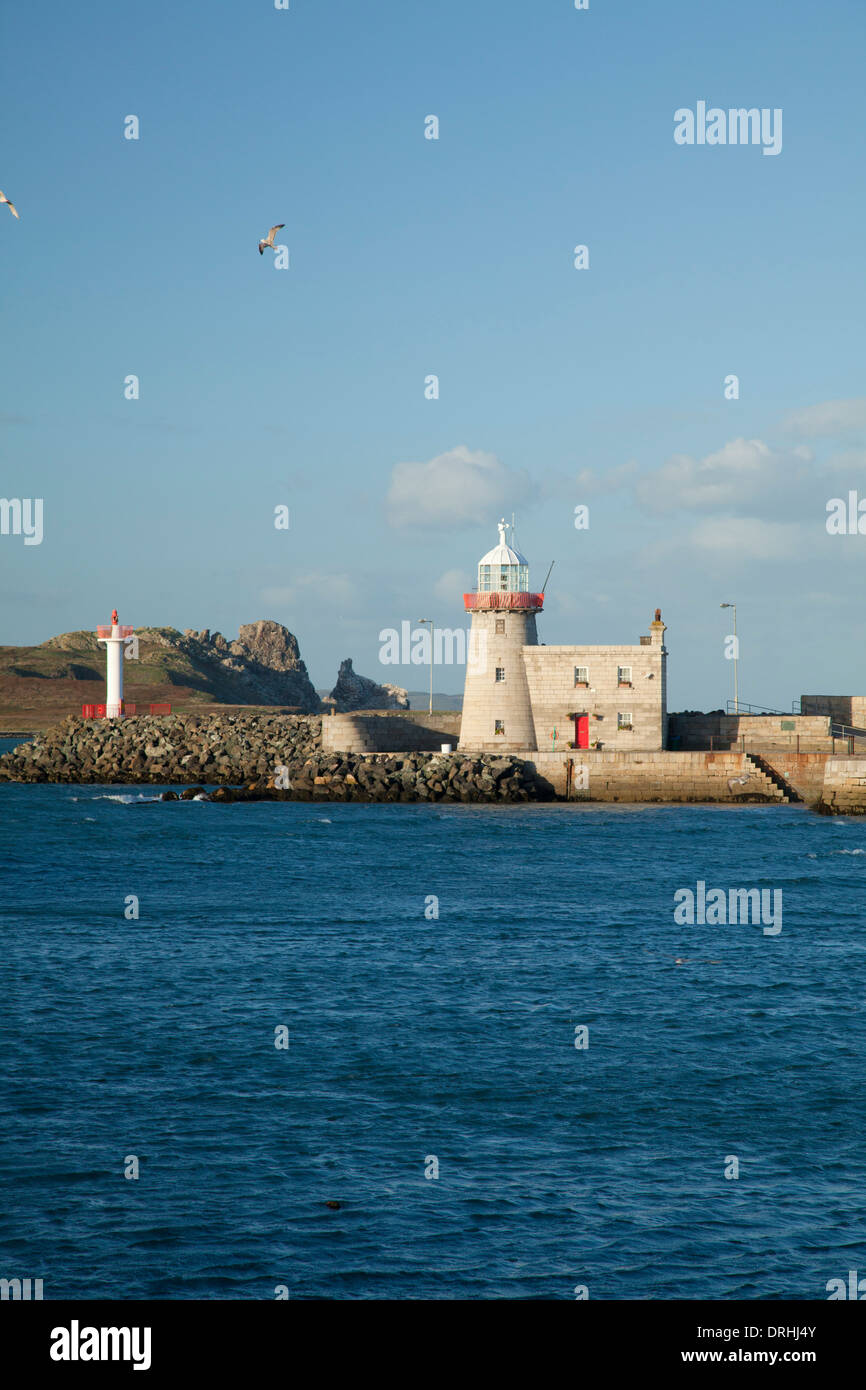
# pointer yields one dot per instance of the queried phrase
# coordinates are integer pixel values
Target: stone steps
(773, 775)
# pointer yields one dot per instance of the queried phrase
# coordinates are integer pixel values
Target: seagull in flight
(267, 241)
(12, 207)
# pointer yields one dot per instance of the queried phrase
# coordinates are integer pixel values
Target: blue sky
(410, 257)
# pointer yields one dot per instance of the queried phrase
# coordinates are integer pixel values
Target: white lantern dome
(503, 569)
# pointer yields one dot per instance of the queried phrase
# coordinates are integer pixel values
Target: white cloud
(851, 463)
(462, 487)
(727, 545)
(734, 478)
(828, 420)
(746, 537)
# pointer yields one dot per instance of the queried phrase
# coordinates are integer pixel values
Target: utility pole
(430, 621)
(736, 657)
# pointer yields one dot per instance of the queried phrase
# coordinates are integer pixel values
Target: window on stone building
(623, 720)
(581, 675)
(500, 673)
(500, 627)
(499, 726)
(623, 675)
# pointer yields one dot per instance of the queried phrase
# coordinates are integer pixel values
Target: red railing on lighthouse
(109, 631)
(497, 599)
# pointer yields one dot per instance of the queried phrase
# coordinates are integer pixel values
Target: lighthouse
(497, 710)
(115, 638)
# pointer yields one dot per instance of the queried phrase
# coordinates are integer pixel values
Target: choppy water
(413, 1037)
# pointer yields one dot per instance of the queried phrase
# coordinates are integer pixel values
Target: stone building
(521, 695)
(846, 710)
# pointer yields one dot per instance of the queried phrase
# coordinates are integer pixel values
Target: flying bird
(268, 240)
(12, 207)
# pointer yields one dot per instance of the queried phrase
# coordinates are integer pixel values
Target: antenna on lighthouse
(544, 585)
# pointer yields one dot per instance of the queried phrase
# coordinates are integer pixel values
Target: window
(500, 673)
(623, 675)
(623, 720)
(500, 627)
(581, 675)
(499, 726)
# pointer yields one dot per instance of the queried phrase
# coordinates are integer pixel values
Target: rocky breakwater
(258, 757)
(396, 777)
(214, 748)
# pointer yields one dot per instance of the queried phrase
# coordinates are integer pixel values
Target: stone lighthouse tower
(497, 713)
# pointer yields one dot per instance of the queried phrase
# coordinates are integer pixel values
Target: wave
(124, 798)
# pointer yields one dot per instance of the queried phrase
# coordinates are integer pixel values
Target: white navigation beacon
(115, 638)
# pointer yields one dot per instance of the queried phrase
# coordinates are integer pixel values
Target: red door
(581, 730)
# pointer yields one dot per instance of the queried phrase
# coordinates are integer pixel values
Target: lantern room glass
(504, 578)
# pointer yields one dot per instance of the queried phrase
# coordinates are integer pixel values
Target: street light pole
(430, 621)
(736, 657)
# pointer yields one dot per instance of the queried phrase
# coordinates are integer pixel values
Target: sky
(410, 257)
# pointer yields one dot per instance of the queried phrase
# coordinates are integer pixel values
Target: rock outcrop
(262, 667)
(269, 644)
(353, 692)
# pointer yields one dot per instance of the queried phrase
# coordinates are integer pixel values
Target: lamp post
(736, 657)
(430, 621)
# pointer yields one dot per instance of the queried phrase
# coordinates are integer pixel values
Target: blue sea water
(413, 1037)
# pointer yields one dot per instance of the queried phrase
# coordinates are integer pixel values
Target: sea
(276, 1050)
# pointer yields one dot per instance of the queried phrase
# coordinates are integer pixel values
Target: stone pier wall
(243, 749)
(652, 777)
(844, 786)
(845, 709)
(390, 731)
(716, 732)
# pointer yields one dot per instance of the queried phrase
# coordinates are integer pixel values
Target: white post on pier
(115, 638)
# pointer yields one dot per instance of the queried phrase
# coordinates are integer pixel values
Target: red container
(88, 711)
(160, 709)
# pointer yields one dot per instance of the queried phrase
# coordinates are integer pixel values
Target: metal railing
(498, 599)
(97, 711)
(845, 731)
(740, 707)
